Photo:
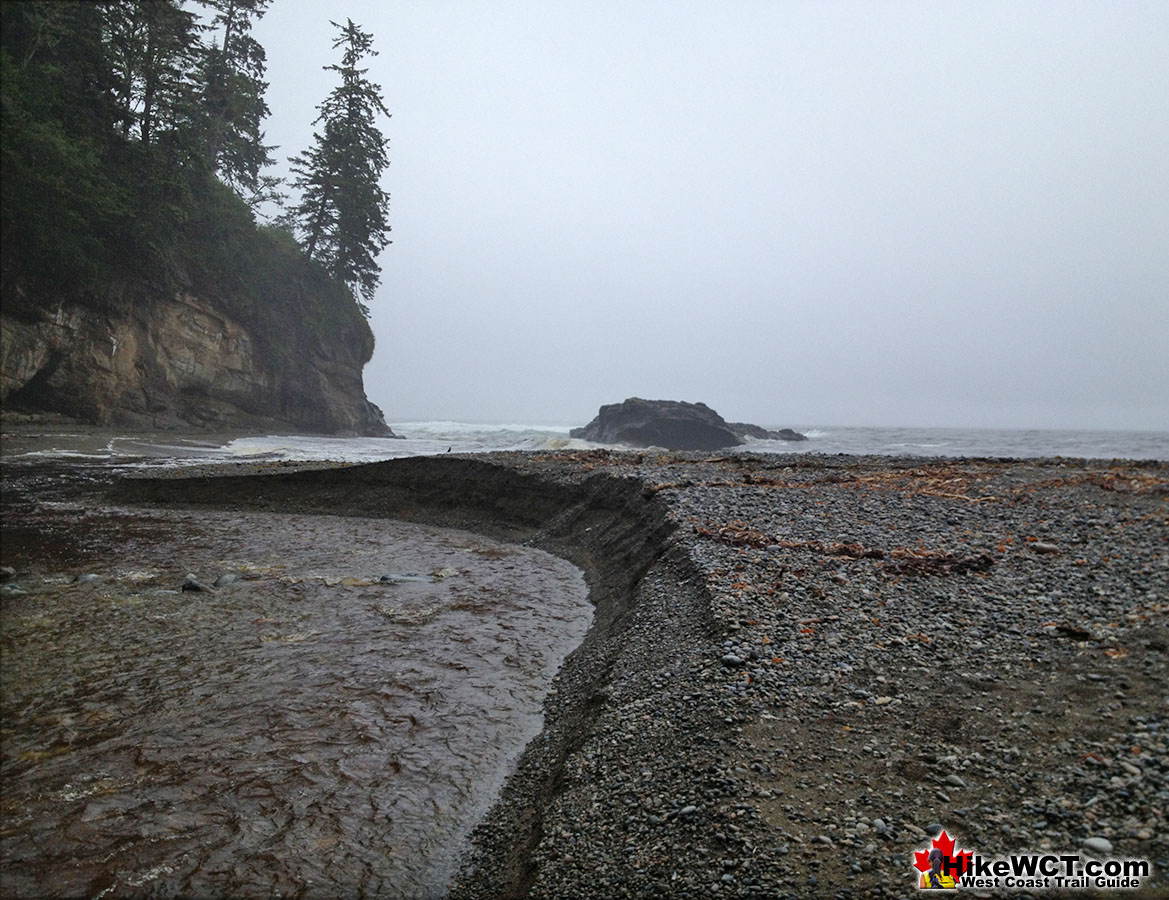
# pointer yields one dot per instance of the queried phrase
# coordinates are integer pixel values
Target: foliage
(131, 151)
(232, 77)
(342, 209)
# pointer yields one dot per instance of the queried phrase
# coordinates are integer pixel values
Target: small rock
(1097, 846)
(7, 573)
(688, 810)
(444, 572)
(224, 580)
(88, 578)
(934, 830)
(1043, 547)
(192, 584)
(11, 590)
(955, 781)
(732, 660)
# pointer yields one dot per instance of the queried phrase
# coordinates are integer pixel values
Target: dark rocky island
(673, 425)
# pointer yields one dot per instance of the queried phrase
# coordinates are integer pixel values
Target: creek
(334, 721)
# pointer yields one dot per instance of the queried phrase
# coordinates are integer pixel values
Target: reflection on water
(308, 730)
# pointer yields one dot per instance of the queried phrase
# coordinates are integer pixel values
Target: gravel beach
(887, 645)
(801, 666)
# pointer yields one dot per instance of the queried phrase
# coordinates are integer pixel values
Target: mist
(800, 214)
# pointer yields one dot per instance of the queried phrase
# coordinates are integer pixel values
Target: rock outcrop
(743, 430)
(672, 424)
(183, 362)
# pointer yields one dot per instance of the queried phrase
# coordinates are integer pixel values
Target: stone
(225, 580)
(191, 583)
(1097, 846)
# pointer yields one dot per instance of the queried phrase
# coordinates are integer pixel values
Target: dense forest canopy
(133, 149)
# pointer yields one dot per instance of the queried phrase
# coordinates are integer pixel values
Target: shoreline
(679, 757)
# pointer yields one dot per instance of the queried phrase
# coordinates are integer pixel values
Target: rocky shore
(802, 666)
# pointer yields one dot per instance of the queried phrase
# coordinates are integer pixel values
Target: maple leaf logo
(956, 864)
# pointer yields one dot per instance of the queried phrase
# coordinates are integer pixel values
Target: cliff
(138, 286)
(142, 358)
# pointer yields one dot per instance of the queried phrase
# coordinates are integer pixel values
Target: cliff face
(181, 362)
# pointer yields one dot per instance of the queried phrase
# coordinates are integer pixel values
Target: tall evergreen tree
(342, 210)
(233, 106)
(152, 48)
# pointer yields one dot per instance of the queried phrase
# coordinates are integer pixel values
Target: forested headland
(136, 175)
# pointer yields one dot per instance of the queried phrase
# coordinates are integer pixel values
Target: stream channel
(333, 722)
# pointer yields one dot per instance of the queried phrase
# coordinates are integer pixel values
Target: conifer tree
(342, 211)
(233, 107)
(152, 45)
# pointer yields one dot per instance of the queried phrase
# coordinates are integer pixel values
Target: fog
(799, 213)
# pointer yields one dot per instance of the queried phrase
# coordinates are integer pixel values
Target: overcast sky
(800, 213)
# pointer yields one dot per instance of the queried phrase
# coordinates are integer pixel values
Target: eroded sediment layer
(799, 664)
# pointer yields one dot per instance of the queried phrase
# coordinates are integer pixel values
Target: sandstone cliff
(138, 360)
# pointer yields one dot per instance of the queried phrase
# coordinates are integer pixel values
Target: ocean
(428, 438)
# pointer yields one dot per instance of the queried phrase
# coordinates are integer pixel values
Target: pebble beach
(877, 647)
(803, 668)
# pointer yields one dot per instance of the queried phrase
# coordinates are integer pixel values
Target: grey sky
(802, 214)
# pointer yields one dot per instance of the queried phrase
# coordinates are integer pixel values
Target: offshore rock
(146, 360)
(744, 430)
(672, 424)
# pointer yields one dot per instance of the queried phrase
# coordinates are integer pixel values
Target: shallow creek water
(308, 730)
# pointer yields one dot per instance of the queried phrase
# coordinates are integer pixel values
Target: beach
(800, 667)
